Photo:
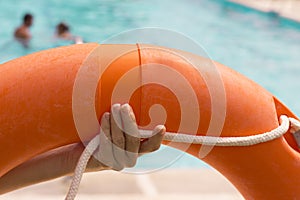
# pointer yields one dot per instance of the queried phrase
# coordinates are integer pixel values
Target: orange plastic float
(36, 94)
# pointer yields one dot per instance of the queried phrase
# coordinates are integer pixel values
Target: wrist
(73, 155)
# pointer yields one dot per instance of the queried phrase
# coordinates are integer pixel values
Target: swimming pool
(261, 46)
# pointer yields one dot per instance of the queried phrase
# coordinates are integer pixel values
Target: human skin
(119, 148)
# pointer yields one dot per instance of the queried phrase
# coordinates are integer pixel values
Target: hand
(120, 147)
(120, 142)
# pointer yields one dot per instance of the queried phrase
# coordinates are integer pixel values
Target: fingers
(153, 143)
(105, 153)
(117, 136)
(132, 135)
(120, 143)
(119, 130)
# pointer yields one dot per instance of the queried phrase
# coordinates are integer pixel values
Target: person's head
(28, 20)
(62, 28)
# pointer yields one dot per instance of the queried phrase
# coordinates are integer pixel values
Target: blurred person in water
(22, 33)
(63, 32)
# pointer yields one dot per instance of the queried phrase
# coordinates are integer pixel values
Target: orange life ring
(36, 112)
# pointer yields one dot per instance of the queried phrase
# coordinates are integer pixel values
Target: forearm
(62, 161)
(50, 165)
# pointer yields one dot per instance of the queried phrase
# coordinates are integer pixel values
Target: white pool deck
(286, 8)
(174, 184)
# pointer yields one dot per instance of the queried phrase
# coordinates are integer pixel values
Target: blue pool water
(261, 46)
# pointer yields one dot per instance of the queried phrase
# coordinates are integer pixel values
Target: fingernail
(115, 106)
(106, 115)
(158, 129)
(127, 109)
(115, 110)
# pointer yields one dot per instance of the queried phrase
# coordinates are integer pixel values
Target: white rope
(80, 168)
(192, 139)
(228, 141)
(295, 125)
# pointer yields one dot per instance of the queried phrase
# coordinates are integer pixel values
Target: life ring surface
(36, 96)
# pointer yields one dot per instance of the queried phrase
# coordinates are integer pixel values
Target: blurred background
(260, 40)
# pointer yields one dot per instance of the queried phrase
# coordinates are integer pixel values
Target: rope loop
(285, 124)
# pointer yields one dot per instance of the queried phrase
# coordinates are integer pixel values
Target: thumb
(153, 143)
